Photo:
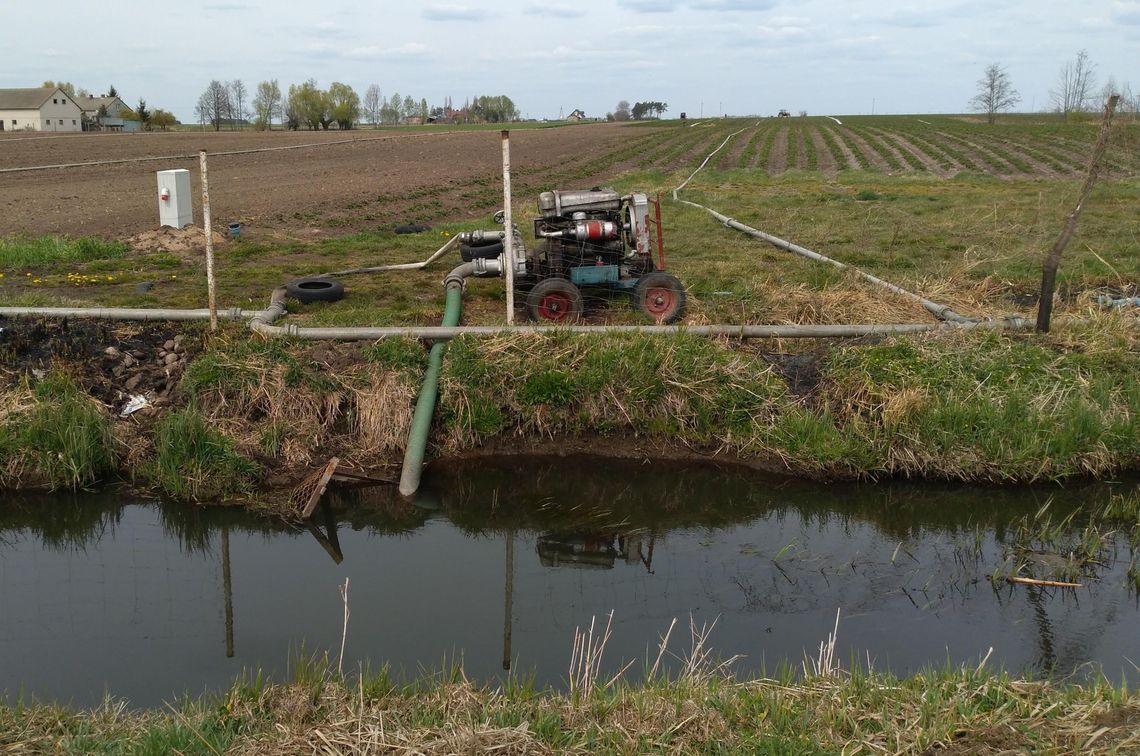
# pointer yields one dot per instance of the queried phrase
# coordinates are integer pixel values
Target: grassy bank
(947, 710)
(976, 406)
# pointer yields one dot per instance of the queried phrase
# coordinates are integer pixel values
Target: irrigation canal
(497, 563)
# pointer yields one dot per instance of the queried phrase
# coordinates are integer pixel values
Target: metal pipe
(444, 333)
(125, 313)
(508, 228)
(425, 403)
(940, 311)
(399, 266)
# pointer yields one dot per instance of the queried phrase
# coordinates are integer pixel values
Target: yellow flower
(173, 276)
(110, 279)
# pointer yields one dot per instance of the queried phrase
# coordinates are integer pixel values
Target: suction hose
(425, 403)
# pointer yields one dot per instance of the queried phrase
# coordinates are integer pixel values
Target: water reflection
(501, 562)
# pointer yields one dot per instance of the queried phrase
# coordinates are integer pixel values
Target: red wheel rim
(555, 307)
(660, 302)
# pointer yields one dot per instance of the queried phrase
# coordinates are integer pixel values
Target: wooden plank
(319, 489)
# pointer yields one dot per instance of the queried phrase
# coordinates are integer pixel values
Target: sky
(704, 57)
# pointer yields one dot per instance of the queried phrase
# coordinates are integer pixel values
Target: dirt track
(380, 178)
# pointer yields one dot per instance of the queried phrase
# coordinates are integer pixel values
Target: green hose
(425, 404)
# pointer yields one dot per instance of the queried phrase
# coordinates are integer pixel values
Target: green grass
(194, 461)
(34, 252)
(54, 434)
(698, 712)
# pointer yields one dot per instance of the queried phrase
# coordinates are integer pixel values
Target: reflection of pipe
(509, 600)
(425, 404)
(228, 592)
(125, 313)
(439, 333)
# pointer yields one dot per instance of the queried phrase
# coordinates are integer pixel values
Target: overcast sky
(733, 56)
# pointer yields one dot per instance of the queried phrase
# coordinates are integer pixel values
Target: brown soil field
(374, 178)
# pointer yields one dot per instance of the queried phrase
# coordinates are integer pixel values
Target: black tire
(554, 300)
(471, 252)
(412, 228)
(661, 296)
(315, 290)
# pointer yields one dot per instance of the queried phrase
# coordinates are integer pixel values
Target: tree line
(1074, 92)
(308, 106)
(638, 111)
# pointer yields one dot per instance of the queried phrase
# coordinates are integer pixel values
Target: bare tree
(372, 103)
(1075, 85)
(266, 104)
(214, 105)
(621, 113)
(995, 92)
(238, 93)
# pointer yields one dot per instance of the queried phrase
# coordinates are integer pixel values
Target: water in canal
(498, 563)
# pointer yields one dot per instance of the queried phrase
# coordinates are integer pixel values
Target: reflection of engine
(586, 550)
(577, 550)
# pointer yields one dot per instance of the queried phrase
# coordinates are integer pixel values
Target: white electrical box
(175, 207)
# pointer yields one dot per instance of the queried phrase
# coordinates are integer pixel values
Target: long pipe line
(126, 313)
(940, 311)
(444, 333)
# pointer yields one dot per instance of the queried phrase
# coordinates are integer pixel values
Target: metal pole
(213, 299)
(509, 238)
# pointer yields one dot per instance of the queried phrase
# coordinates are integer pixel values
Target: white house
(105, 113)
(39, 110)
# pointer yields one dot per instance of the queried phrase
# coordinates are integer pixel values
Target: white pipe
(442, 333)
(211, 295)
(398, 266)
(125, 313)
(940, 311)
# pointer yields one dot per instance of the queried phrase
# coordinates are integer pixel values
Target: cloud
(225, 7)
(734, 5)
(649, 6)
(454, 12)
(554, 9)
(330, 29)
(371, 52)
(1126, 13)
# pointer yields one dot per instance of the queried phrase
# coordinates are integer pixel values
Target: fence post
(213, 300)
(508, 224)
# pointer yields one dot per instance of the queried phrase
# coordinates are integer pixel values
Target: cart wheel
(661, 296)
(554, 299)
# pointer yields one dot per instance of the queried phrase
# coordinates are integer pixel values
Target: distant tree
(995, 92)
(1075, 85)
(390, 110)
(621, 112)
(494, 109)
(161, 119)
(648, 109)
(409, 108)
(425, 111)
(372, 102)
(213, 106)
(67, 87)
(112, 92)
(266, 104)
(143, 114)
(344, 105)
(310, 105)
(238, 94)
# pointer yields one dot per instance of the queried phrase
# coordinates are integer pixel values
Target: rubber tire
(307, 290)
(554, 300)
(649, 298)
(471, 252)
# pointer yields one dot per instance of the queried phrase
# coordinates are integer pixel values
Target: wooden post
(211, 293)
(228, 591)
(508, 225)
(1053, 261)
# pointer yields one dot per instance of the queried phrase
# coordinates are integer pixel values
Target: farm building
(39, 109)
(577, 115)
(106, 114)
